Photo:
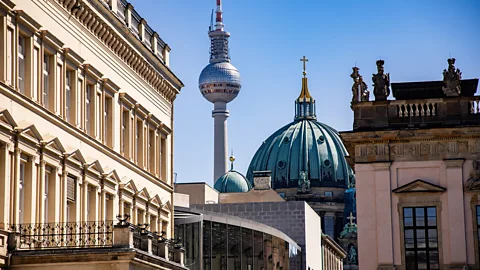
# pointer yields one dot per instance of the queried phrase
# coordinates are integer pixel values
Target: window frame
(426, 229)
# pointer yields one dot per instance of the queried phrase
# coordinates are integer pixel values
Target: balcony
(92, 243)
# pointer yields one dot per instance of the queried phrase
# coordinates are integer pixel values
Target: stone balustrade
(419, 113)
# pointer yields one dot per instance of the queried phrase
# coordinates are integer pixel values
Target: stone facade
(413, 159)
(86, 120)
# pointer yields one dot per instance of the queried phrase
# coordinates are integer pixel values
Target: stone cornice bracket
(454, 163)
(382, 166)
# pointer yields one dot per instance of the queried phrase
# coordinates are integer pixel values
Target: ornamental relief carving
(430, 148)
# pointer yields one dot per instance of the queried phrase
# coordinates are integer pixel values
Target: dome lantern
(305, 103)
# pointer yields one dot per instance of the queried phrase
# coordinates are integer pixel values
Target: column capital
(382, 166)
(454, 162)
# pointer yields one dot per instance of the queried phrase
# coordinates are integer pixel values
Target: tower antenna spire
(219, 19)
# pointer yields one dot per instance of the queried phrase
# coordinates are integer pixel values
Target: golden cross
(304, 60)
(351, 218)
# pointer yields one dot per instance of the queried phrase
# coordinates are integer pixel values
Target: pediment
(419, 185)
(53, 144)
(143, 194)
(6, 119)
(129, 187)
(156, 201)
(168, 207)
(75, 156)
(113, 177)
(95, 167)
(29, 131)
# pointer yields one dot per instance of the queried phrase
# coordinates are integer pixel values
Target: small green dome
(232, 181)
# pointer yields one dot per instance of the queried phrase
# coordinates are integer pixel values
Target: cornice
(73, 57)
(51, 40)
(27, 21)
(123, 49)
(91, 71)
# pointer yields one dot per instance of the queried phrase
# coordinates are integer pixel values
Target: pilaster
(383, 198)
(41, 193)
(30, 190)
(456, 210)
(5, 185)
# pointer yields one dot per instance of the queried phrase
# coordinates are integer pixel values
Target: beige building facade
(417, 175)
(86, 116)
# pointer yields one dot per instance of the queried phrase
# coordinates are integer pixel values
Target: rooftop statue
(452, 79)
(359, 87)
(349, 228)
(381, 82)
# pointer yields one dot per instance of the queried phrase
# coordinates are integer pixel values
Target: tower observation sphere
(219, 82)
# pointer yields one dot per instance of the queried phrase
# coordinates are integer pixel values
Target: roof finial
(304, 60)
(232, 159)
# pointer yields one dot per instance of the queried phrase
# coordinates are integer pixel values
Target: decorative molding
(419, 185)
(137, 62)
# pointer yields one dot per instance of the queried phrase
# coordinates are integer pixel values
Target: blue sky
(415, 38)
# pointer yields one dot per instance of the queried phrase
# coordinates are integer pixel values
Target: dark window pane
(421, 243)
(408, 222)
(433, 257)
(407, 212)
(422, 256)
(422, 265)
(410, 259)
(431, 212)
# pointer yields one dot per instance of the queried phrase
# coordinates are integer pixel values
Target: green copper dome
(232, 181)
(304, 151)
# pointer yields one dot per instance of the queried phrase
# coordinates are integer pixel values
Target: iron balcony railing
(64, 235)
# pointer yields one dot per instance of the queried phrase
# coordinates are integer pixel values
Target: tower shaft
(220, 115)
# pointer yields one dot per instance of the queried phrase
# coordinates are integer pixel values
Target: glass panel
(219, 246)
(407, 212)
(422, 259)
(420, 216)
(247, 249)
(409, 240)
(433, 259)
(432, 216)
(408, 222)
(410, 259)
(207, 247)
(421, 243)
(329, 226)
(258, 262)
(432, 238)
(234, 247)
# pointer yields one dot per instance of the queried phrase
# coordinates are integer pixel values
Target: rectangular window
(59, 88)
(35, 74)
(330, 226)
(68, 95)
(138, 142)
(98, 114)
(88, 109)
(21, 195)
(108, 121)
(125, 128)
(328, 194)
(21, 64)
(48, 172)
(78, 104)
(46, 81)
(71, 188)
(421, 239)
(151, 151)
(10, 56)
